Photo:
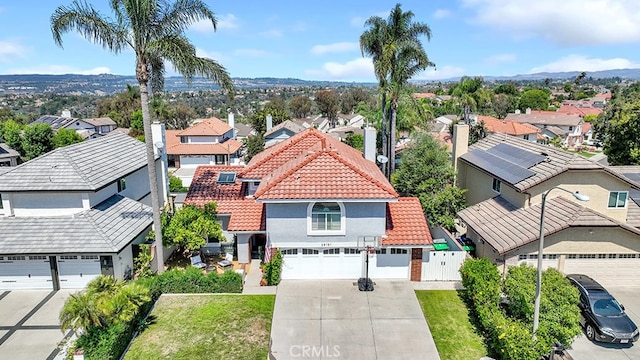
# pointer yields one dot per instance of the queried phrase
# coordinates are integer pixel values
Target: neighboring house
(281, 132)
(317, 121)
(567, 127)
(8, 156)
(75, 213)
(243, 131)
(89, 128)
(351, 120)
(581, 111)
(342, 132)
(497, 126)
(505, 178)
(208, 142)
(317, 200)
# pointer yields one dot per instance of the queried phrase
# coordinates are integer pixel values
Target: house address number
(326, 244)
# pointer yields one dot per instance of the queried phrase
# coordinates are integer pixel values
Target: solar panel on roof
(501, 168)
(226, 178)
(516, 155)
(632, 176)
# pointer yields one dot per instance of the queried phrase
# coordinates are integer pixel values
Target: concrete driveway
(329, 319)
(29, 327)
(583, 349)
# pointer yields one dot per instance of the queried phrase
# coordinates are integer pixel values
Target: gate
(442, 265)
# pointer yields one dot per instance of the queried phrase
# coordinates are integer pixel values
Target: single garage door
(390, 263)
(25, 272)
(76, 271)
(607, 269)
(333, 263)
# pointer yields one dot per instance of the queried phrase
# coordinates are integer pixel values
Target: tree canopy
(300, 106)
(190, 227)
(619, 126)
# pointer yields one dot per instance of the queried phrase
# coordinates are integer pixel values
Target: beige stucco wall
(479, 183)
(595, 184)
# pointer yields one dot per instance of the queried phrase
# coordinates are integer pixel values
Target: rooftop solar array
(633, 176)
(524, 158)
(499, 167)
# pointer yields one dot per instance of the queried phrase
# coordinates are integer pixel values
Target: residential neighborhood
(329, 181)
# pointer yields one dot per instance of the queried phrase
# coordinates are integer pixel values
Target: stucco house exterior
(506, 177)
(208, 142)
(88, 128)
(317, 200)
(553, 124)
(281, 132)
(75, 213)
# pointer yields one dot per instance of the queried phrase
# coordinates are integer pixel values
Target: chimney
(517, 111)
(160, 149)
(232, 123)
(269, 122)
(460, 142)
(528, 111)
(370, 143)
(66, 113)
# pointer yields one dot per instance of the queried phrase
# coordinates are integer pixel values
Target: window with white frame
(618, 199)
(326, 218)
(289, 251)
(395, 251)
(310, 252)
(351, 251)
(331, 251)
(496, 185)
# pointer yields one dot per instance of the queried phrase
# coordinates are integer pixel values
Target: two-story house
(553, 124)
(319, 201)
(506, 177)
(208, 142)
(497, 126)
(75, 213)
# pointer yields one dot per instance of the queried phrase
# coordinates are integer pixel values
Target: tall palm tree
(398, 55)
(155, 31)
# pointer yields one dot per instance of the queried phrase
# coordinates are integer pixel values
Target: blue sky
(318, 40)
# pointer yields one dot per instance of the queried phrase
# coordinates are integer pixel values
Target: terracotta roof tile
(579, 110)
(406, 223)
(207, 127)
(507, 127)
(546, 118)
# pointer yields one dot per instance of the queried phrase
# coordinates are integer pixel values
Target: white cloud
(441, 14)
(441, 73)
(273, 33)
(334, 48)
(59, 70)
(10, 50)
(217, 56)
(567, 22)
(354, 69)
(500, 58)
(584, 63)
(251, 53)
(225, 22)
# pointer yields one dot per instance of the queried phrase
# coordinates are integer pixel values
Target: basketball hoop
(371, 250)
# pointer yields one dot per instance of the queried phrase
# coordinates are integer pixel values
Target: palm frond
(83, 18)
(181, 14)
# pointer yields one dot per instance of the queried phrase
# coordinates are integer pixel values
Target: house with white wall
(75, 213)
(88, 128)
(553, 124)
(318, 201)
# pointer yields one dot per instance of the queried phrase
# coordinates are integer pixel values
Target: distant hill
(109, 84)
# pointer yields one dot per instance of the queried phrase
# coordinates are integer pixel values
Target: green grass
(450, 327)
(206, 327)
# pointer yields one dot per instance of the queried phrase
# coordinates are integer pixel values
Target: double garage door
(35, 272)
(344, 263)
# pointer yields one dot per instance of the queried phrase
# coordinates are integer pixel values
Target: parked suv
(603, 318)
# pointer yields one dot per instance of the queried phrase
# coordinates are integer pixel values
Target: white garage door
(390, 263)
(344, 263)
(548, 260)
(77, 270)
(334, 263)
(607, 269)
(25, 272)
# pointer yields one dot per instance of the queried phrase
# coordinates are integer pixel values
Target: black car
(603, 318)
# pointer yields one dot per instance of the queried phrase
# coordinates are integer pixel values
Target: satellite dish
(382, 159)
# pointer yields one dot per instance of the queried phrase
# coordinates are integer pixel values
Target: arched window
(326, 217)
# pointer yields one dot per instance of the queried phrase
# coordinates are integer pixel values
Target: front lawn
(206, 327)
(450, 327)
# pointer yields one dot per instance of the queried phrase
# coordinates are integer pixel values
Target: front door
(258, 242)
(106, 265)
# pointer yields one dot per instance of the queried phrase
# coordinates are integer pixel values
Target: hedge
(273, 269)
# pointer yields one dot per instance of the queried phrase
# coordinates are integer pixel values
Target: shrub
(175, 185)
(105, 343)
(192, 281)
(273, 269)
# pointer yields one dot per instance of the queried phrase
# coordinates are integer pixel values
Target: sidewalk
(252, 281)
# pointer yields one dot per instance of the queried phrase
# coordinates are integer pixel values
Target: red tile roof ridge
(285, 171)
(212, 124)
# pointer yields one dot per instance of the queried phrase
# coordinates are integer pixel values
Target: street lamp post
(536, 305)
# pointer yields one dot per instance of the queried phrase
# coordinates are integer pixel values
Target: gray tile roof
(58, 122)
(107, 228)
(557, 161)
(293, 127)
(557, 119)
(506, 228)
(6, 152)
(88, 165)
(99, 121)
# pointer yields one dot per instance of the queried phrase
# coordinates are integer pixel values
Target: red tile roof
(579, 110)
(246, 214)
(426, 95)
(406, 223)
(207, 127)
(507, 127)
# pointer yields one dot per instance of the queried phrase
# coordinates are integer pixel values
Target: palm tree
(154, 30)
(80, 312)
(397, 55)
